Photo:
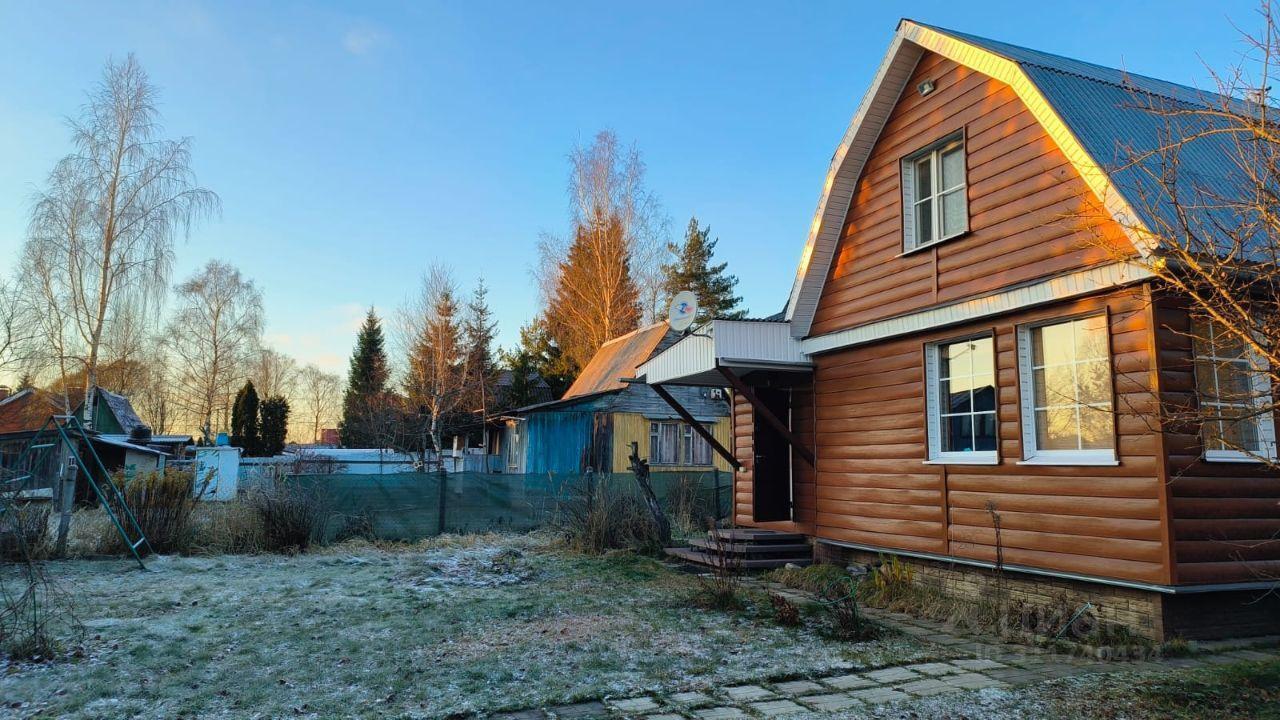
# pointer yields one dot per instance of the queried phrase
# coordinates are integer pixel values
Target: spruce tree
(244, 421)
(366, 387)
(478, 331)
(693, 270)
(274, 424)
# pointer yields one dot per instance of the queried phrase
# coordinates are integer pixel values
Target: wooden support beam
(741, 387)
(697, 426)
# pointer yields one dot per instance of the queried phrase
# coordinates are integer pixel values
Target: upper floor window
(1067, 412)
(961, 396)
(1235, 396)
(934, 201)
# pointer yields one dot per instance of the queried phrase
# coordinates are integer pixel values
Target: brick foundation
(1146, 613)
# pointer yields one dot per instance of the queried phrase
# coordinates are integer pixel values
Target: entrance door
(772, 470)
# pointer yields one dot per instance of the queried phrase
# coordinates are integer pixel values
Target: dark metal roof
(1121, 118)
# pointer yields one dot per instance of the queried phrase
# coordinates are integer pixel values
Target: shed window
(675, 443)
(961, 396)
(1066, 392)
(696, 450)
(664, 443)
(934, 199)
(1235, 397)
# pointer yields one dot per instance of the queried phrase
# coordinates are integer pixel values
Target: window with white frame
(935, 204)
(1235, 396)
(1065, 372)
(961, 396)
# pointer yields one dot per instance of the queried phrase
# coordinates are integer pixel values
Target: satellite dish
(683, 307)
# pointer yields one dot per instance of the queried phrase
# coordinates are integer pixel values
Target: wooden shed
(601, 414)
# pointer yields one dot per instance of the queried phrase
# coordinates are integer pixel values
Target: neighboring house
(977, 356)
(121, 440)
(600, 415)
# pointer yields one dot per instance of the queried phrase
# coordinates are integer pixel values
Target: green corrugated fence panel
(407, 506)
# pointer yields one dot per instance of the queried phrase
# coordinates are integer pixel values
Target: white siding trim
(1058, 288)
(849, 158)
(743, 343)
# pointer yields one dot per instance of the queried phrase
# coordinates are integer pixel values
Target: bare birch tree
(274, 373)
(213, 337)
(320, 396)
(102, 231)
(436, 378)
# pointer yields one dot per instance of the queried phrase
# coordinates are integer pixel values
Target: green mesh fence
(411, 506)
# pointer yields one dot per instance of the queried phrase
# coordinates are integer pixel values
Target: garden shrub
(846, 621)
(24, 529)
(785, 612)
(293, 515)
(163, 503)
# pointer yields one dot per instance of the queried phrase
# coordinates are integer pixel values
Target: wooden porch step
(699, 557)
(756, 535)
(752, 548)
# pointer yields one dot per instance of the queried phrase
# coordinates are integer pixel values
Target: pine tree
(274, 424)
(26, 383)
(595, 298)
(244, 421)
(366, 387)
(693, 270)
(478, 331)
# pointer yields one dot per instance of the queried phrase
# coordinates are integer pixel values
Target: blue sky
(354, 144)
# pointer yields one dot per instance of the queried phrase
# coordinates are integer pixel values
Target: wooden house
(962, 346)
(601, 414)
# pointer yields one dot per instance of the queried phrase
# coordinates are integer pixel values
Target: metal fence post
(715, 471)
(440, 521)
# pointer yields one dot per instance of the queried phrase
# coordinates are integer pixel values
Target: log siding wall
(1225, 517)
(873, 487)
(1026, 204)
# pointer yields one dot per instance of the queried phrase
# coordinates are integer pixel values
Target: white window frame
(1261, 386)
(910, 236)
(933, 408)
(1031, 453)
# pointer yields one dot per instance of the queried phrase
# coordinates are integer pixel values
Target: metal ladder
(67, 431)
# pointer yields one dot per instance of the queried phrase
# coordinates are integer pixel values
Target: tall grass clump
(595, 518)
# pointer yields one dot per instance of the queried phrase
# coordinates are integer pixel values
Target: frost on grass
(455, 625)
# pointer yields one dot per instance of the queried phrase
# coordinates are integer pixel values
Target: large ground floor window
(961, 397)
(1067, 411)
(1234, 389)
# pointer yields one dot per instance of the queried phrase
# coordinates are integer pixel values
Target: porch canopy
(747, 355)
(714, 351)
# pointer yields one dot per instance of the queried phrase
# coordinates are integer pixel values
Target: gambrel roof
(1097, 116)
